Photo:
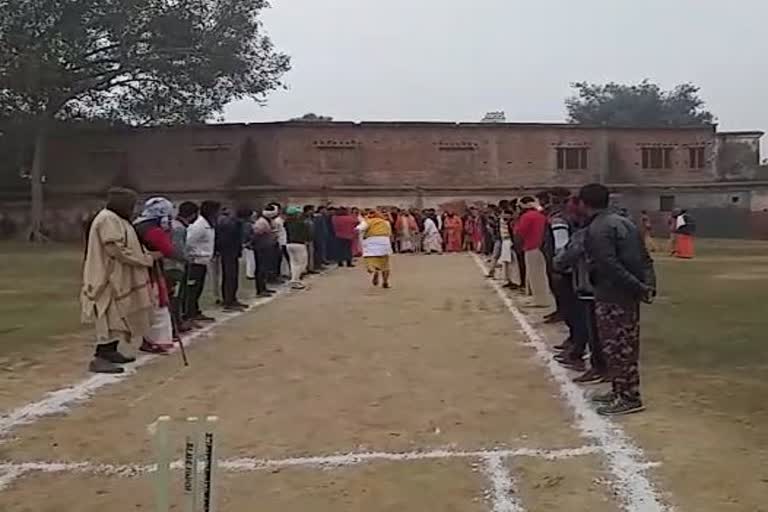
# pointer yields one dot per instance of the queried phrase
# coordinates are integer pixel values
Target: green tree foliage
(313, 117)
(141, 62)
(643, 104)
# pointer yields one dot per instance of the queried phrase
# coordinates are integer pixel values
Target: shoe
(386, 286)
(154, 348)
(620, 407)
(604, 398)
(563, 346)
(234, 308)
(576, 365)
(265, 294)
(566, 357)
(312, 272)
(554, 318)
(109, 352)
(101, 365)
(590, 377)
(204, 318)
(117, 358)
(298, 286)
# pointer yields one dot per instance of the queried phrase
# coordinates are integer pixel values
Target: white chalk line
(502, 492)
(61, 401)
(252, 464)
(625, 460)
(9, 475)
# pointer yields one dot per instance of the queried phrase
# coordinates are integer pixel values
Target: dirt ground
(436, 363)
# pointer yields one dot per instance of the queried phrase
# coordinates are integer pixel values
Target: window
(657, 158)
(697, 158)
(666, 203)
(572, 158)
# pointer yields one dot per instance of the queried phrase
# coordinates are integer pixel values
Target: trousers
(618, 328)
(230, 278)
(297, 258)
(195, 286)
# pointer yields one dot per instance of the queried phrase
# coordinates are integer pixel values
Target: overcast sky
(454, 60)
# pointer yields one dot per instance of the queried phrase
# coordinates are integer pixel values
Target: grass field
(704, 361)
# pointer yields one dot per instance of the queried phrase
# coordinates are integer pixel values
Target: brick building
(716, 175)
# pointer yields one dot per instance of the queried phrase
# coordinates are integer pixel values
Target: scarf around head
(157, 209)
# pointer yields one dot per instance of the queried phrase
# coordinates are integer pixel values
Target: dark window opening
(697, 158)
(666, 203)
(572, 158)
(657, 158)
(735, 199)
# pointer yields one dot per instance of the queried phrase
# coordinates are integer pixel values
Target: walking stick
(181, 296)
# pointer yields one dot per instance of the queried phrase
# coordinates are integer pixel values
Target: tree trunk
(37, 178)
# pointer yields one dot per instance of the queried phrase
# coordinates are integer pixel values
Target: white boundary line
(624, 458)
(9, 474)
(62, 400)
(503, 486)
(250, 464)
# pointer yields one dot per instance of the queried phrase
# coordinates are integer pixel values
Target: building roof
(756, 134)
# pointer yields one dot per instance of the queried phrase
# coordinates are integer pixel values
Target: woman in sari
(454, 229)
(685, 229)
(377, 246)
(154, 230)
(407, 232)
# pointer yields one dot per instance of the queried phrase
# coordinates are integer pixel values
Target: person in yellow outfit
(377, 246)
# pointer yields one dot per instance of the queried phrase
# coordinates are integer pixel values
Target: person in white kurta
(433, 242)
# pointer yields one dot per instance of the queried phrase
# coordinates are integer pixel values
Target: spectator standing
(263, 242)
(344, 226)
(229, 247)
(297, 236)
(309, 220)
(154, 229)
(531, 229)
(280, 258)
(201, 240)
(646, 226)
(176, 270)
(322, 236)
(116, 295)
(623, 276)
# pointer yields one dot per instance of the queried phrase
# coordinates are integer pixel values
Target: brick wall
(313, 155)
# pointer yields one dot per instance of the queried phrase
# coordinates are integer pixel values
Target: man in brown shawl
(116, 295)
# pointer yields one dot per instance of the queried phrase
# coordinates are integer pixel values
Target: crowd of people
(576, 258)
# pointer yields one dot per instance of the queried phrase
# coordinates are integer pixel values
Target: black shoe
(564, 345)
(590, 377)
(604, 398)
(101, 365)
(554, 318)
(203, 318)
(234, 308)
(576, 365)
(265, 294)
(117, 358)
(620, 407)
